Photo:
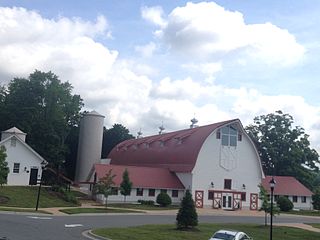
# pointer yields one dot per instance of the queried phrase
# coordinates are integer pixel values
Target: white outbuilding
(24, 163)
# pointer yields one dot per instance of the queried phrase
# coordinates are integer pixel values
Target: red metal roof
(142, 177)
(286, 185)
(177, 151)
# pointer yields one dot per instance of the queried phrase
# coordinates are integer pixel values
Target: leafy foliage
(163, 199)
(126, 184)
(187, 216)
(4, 170)
(105, 184)
(284, 204)
(266, 204)
(284, 150)
(111, 137)
(45, 108)
(316, 199)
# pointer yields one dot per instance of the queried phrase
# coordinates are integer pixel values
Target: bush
(163, 199)
(146, 202)
(285, 204)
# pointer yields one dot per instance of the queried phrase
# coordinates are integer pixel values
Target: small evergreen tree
(163, 199)
(126, 185)
(104, 185)
(187, 216)
(4, 170)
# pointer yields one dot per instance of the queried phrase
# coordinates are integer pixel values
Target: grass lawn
(96, 210)
(315, 225)
(304, 213)
(142, 206)
(168, 232)
(26, 197)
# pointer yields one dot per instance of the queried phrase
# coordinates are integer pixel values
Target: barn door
(199, 199)
(253, 201)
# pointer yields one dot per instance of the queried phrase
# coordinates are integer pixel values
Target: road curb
(89, 234)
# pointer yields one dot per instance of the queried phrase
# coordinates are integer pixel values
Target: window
(229, 136)
(227, 184)
(239, 137)
(152, 192)
(243, 197)
(16, 167)
(303, 199)
(114, 191)
(210, 195)
(218, 134)
(294, 199)
(163, 190)
(174, 193)
(139, 191)
(276, 197)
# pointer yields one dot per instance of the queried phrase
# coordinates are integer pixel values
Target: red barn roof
(142, 177)
(286, 185)
(177, 151)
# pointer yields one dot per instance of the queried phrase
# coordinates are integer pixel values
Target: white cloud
(207, 30)
(154, 15)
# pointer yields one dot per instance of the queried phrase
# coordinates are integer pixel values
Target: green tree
(4, 170)
(126, 184)
(266, 204)
(284, 149)
(111, 137)
(187, 216)
(105, 184)
(316, 199)
(45, 108)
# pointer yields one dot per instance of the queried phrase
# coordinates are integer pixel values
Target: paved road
(44, 227)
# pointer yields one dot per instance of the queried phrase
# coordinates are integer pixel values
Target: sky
(150, 63)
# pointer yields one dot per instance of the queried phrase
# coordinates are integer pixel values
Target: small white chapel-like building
(24, 163)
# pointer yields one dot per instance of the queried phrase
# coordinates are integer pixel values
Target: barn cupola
(13, 132)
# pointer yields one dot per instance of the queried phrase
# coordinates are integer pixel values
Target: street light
(43, 165)
(272, 185)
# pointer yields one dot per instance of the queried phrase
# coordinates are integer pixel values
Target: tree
(105, 184)
(187, 216)
(4, 170)
(266, 204)
(126, 184)
(111, 137)
(316, 199)
(45, 108)
(284, 150)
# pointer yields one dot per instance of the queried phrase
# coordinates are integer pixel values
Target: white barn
(24, 163)
(218, 163)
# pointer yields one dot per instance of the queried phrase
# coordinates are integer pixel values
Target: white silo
(90, 144)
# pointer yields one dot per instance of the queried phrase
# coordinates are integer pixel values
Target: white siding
(245, 170)
(27, 159)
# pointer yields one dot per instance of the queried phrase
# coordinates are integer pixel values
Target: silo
(90, 144)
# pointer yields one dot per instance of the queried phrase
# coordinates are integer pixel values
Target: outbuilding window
(174, 193)
(16, 167)
(294, 198)
(139, 191)
(303, 199)
(152, 192)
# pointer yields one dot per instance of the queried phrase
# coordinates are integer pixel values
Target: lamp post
(43, 165)
(272, 185)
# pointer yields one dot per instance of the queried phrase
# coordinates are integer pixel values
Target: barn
(218, 163)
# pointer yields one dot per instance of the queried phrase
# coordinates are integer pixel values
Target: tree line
(46, 109)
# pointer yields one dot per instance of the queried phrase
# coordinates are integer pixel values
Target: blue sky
(142, 63)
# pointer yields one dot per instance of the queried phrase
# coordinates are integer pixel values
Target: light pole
(272, 185)
(43, 165)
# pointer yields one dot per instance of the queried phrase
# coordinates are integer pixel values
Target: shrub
(146, 202)
(163, 199)
(284, 204)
